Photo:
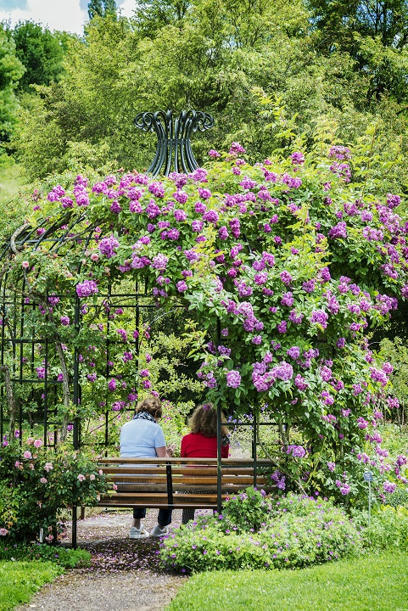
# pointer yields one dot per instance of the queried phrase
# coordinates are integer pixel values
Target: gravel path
(124, 575)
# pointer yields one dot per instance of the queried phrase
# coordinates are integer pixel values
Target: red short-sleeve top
(195, 445)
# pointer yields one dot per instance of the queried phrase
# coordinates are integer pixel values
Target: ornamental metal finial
(173, 138)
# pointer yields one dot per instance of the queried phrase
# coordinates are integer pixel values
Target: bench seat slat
(173, 460)
(199, 481)
(175, 471)
(159, 497)
(139, 488)
(150, 504)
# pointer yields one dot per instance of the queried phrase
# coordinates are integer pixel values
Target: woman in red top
(202, 441)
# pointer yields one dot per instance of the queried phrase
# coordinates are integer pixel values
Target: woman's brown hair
(151, 405)
(204, 421)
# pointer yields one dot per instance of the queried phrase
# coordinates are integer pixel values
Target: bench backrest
(178, 482)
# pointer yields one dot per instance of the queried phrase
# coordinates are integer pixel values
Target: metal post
(369, 502)
(219, 466)
(74, 526)
(254, 448)
(169, 484)
(76, 433)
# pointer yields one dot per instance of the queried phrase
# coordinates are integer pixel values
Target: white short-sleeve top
(139, 439)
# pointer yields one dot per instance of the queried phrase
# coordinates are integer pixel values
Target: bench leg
(74, 527)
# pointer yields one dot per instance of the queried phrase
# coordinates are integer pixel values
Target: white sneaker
(138, 533)
(159, 532)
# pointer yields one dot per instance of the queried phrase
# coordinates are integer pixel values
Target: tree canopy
(11, 70)
(247, 64)
(40, 51)
(101, 8)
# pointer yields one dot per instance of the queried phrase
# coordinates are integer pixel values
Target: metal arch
(173, 138)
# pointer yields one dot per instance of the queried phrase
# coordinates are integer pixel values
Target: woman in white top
(142, 437)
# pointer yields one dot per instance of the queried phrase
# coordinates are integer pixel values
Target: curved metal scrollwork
(173, 138)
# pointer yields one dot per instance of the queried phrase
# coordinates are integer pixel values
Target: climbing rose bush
(287, 265)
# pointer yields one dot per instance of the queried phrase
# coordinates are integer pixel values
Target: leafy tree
(340, 19)
(40, 51)
(11, 70)
(152, 15)
(374, 33)
(101, 8)
(253, 67)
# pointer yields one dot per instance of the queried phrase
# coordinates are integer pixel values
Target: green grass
(15, 198)
(66, 557)
(373, 582)
(11, 180)
(20, 580)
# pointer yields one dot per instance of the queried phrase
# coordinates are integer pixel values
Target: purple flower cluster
(86, 288)
(233, 378)
(108, 246)
(296, 451)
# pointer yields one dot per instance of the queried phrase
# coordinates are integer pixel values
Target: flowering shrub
(36, 484)
(301, 533)
(289, 260)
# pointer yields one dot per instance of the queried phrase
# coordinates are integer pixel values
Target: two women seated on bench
(143, 437)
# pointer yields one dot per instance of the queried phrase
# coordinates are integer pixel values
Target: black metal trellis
(20, 343)
(173, 138)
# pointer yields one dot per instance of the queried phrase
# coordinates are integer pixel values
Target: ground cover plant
(371, 582)
(20, 580)
(256, 532)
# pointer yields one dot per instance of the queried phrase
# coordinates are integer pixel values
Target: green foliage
(11, 70)
(40, 51)
(374, 582)
(388, 529)
(396, 352)
(246, 512)
(20, 580)
(62, 556)
(299, 533)
(399, 498)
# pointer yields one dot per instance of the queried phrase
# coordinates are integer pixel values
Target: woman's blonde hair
(204, 421)
(151, 405)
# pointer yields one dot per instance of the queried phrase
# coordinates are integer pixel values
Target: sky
(68, 15)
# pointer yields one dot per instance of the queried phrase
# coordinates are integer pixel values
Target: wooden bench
(176, 483)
